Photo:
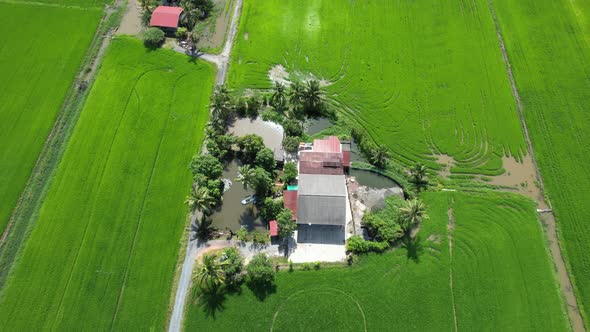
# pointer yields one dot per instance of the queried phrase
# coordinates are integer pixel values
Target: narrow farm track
(548, 219)
(450, 228)
(193, 247)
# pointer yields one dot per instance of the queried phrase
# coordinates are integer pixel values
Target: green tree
(190, 14)
(200, 199)
(153, 37)
(260, 270)
(265, 158)
(271, 208)
(254, 103)
(256, 179)
(221, 107)
(286, 223)
(278, 99)
(314, 97)
(412, 214)
(380, 156)
(293, 127)
(291, 143)
(250, 145)
(210, 274)
(234, 263)
(206, 167)
(297, 95)
(418, 173)
(290, 172)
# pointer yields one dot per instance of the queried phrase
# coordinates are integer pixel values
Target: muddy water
(232, 214)
(314, 126)
(271, 133)
(521, 176)
(372, 180)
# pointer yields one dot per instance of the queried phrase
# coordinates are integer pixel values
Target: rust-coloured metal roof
(166, 17)
(274, 228)
(313, 162)
(328, 144)
(290, 201)
(346, 158)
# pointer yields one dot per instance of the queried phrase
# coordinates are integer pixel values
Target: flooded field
(314, 126)
(232, 214)
(372, 180)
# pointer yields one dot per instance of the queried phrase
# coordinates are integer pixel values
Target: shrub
(153, 37)
(316, 266)
(180, 32)
(290, 266)
(291, 143)
(358, 245)
(260, 270)
(290, 172)
(306, 266)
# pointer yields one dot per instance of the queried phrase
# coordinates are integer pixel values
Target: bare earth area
(521, 177)
(131, 22)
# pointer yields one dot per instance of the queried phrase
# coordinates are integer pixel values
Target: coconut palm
(379, 156)
(297, 95)
(246, 175)
(313, 95)
(190, 14)
(278, 99)
(412, 214)
(200, 199)
(418, 173)
(220, 104)
(210, 274)
(147, 5)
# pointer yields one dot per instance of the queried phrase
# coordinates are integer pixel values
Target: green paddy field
(104, 249)
(498, 278)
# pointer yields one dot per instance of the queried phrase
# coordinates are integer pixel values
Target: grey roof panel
(322, 185)
(321, 210)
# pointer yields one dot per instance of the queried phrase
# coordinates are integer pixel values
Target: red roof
(329, 144)
(166, 17)
(346, 158)
(290, 201)
(274, 228)
(328, 163)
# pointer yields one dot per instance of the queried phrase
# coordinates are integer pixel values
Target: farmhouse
(166, 17)
(319, 204)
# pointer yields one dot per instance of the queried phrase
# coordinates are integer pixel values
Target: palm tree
(379, 156)
(246, 175)
(190, 14)
(147, 5)
(200, 199)
(220, 104)
(210, 274)
(297, 94)
(418, 172)
(313, 95)
(278, 98)
(412, 214)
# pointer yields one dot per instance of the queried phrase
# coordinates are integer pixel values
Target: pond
(314, 126)
(232, 214)
(373, 180)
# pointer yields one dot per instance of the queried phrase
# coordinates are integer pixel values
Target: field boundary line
(450, 228)
(143, 203)
(26, 211)
(550, 228)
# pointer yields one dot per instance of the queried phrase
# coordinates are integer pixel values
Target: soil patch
(520, 176)
(278, 73)
(446, 162)
(131, 22)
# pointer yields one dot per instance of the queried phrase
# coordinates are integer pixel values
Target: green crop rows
(547, 42)
(103, 252)
(424, 78)
(37, 65)
(502, 280)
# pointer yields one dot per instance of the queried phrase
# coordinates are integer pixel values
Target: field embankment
(425, 78)
(104, 248)
(502, 280)
(548, 47)
(38, 62)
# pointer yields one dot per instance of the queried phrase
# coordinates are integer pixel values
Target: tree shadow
(414, 248)
(205, 230)
(211, 300)
(261, 290)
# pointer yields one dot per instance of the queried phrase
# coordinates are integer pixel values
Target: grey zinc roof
(322, 185)
(321, 199)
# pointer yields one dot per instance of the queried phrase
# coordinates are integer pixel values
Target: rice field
(38, 63)
(501, 280)
(425, 78)
(103, 253)
(548, 47)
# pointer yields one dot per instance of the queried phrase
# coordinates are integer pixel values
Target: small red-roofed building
(166, 17)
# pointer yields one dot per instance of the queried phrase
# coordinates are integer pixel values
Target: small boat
(249, 199)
